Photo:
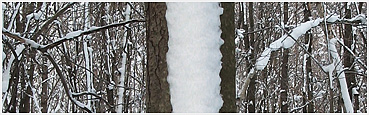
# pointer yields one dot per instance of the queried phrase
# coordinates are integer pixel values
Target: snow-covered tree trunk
(341, 75)
(87, 55)
(122, 69)
(194, 57)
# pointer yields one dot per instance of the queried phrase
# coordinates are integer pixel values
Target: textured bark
(284, 79)
(228, 71)
(158, 95)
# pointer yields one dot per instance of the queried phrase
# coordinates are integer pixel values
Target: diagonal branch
(65, 85)
(79, 33)
(69, 36)
(48, 22)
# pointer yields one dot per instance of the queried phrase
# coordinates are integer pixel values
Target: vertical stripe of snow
(341, 75)
(122, 69)
(194, 57)
(88, 75)
(87, 56)
(13, 16)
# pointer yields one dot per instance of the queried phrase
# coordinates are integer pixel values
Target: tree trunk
(348, 59)
(228, 71)
(284, 79)
(25, 99)
(309, 41)
(252, 88)
(158, 95)
(44, 95)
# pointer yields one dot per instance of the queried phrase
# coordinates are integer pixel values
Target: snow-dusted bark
(245, 85)
(6, 72)
(122, 69)
(87, 54)
(194, 57)
(341, 75)
(120, 94)
(13, 16)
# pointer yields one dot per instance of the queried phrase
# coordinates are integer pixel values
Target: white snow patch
(297, 97)
(6, 72)
(329, 68)
(73, 34)
(4, 56)
(354, 91)
(298, 31)
(3, 6)
(263, 60)
(127, 12)
(32, 43)
(333, 18)
(194, 58)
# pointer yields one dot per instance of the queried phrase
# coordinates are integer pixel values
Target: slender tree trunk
(228, 71)
(44, 92)
(25, 99)
(284, 79)
(348, 59)
(158, 95)
(252, 88)
(309, 41)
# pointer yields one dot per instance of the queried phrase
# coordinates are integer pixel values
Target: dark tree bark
(251, 89)
(348, 59)
(158, 95)
(228, 71)
(308, 40)
(25, 99)
(284, 79)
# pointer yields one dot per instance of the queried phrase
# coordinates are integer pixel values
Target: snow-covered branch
(78, 33)
(289, 39)
(48, 22)
(69, 36)
(22, 39)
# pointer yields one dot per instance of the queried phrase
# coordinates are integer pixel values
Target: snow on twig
(78, 33)
(22, 39)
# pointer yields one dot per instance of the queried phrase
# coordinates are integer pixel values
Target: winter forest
(202, 57)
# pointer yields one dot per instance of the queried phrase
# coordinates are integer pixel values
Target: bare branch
(89, 31)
